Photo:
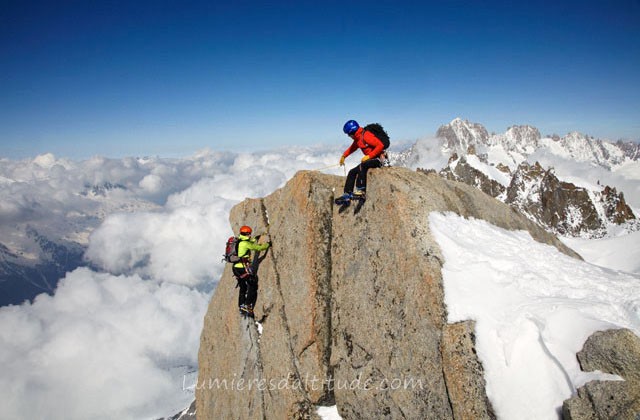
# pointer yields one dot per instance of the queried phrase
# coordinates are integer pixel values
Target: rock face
(560, 206)
(466, 173)
(616, 352)
(350, 306)
(563, 207)
(464, 373)
(616, 208)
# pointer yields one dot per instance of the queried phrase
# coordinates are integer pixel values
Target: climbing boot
(344, 199)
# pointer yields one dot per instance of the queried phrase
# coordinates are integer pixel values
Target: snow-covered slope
(534, 308)
(617, 252)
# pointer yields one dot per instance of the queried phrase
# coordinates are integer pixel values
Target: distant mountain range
(521, 141)
(37, 253)
(505, 167)
(23, 277)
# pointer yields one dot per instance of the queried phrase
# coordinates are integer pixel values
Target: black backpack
(379, 132)
(231, 250)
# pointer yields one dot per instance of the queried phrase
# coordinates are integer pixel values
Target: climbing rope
(332, 166)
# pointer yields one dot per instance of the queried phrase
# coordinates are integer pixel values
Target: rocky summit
(351, 306)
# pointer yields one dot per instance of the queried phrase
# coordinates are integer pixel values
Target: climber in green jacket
(245, 272)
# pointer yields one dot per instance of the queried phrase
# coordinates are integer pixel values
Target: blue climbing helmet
(350, 127)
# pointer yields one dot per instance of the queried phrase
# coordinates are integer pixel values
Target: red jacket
(367, 142)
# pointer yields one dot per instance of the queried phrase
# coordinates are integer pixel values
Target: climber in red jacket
(372, 147)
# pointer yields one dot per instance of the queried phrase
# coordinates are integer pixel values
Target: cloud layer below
(102, 347)
(115, 341)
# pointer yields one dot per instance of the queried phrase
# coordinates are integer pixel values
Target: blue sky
(131, 78)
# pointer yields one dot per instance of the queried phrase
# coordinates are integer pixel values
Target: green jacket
(246, 245)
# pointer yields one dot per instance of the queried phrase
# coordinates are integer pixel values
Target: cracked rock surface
(351, 306)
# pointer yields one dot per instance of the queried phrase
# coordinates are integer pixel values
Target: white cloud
(115, 344)
(151, 183)
(180, 246)
(99, 348)
(427, 154)
(183, 243)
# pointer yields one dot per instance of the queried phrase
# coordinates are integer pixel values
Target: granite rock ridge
(351, 306)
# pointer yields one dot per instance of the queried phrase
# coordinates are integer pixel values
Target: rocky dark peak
(615, 206)
(101, 190)
(503, 168)
(566, 208)
(460, 170)
(560, 206)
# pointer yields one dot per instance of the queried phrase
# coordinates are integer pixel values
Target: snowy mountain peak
(630, 149)
(521, 141)
(460, 134)
(560, 206)
(518, 138)
(582, 148)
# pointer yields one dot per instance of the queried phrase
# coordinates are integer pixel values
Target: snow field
(534, 307)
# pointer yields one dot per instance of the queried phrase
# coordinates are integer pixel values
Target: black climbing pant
(358, 175)
(248, 285)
